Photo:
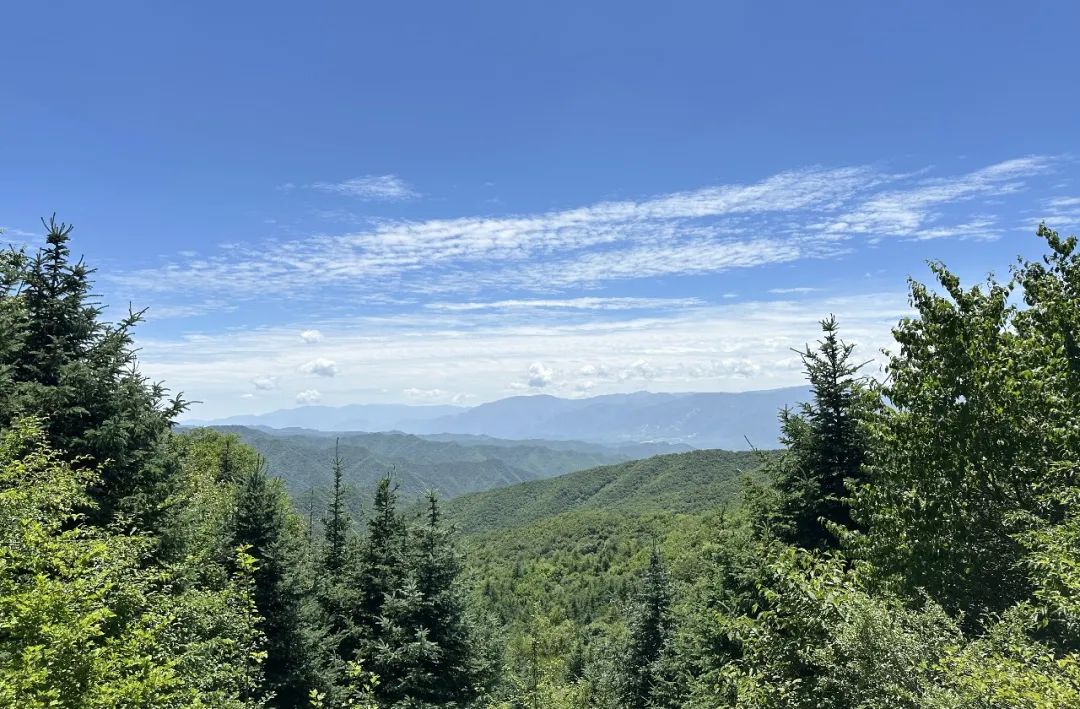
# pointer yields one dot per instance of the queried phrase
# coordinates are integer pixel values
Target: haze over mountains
(699, 420)
(451, 464)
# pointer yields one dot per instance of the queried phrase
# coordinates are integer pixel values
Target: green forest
(912, 541)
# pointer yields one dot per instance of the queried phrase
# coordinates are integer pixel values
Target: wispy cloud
(913, 211)
(583, 303)
(796, 290)
(369, 187)
(814, 213)
(8, 231)
(188, 310)
(1062, 212)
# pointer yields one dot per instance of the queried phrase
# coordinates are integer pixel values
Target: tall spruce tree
(265, 523)
(337, 588)
(378, 577)
(647, 665)
(457, 672)
(62, 363)
(826, 446)
(159, 611)
(337, 522)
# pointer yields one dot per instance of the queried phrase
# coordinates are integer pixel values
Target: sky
(451, 203)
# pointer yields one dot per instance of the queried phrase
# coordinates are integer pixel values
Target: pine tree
(266, 525)
(826, 446)
(647, 663)
(79, 374)
(337, 522)
(457, 671)
(378, 576)
(336, 588)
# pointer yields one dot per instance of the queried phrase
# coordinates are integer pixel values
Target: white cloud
(311, 336)
(424, 394)
(1063, 202)
(813, 213)
(369, 187)
(265, 383)
(912, 212)
(9, 231)
(539, 376)
(1062, 212)
(671, 258)
(320, 367)
(583, 303)
(308, 396)
(435, 396)
(638, 370)
(187, 310)
(736, 346)
(797, 289)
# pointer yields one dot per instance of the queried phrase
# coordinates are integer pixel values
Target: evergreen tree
(378, 578)
(337, 588)
(60, 362)
(459, 668)
(265, 524)
(647, 668)
(337, 522)
(826, 446)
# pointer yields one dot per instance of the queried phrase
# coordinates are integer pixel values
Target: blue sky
(456, 202)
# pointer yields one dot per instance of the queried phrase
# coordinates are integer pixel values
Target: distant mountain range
(451, 464)
(698, 420)
(354, 417)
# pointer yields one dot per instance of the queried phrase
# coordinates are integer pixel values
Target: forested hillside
(683, 482)
(914, 543)
(418, 464)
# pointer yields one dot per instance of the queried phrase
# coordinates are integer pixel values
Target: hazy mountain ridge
(701, 420)
(698, 420)
(352, 417)
(303, 459)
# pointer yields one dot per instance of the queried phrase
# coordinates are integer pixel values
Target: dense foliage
(916, 543)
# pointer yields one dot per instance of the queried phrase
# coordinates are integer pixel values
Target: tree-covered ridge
(419, 464)
(916, 543)
(678, 483)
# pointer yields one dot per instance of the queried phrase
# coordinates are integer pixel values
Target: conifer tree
(457, 671)
(647, 664)
(337, 587)
(337, 522)
(62, 363)
(377, 576)
(266, 525)
(826, 446)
